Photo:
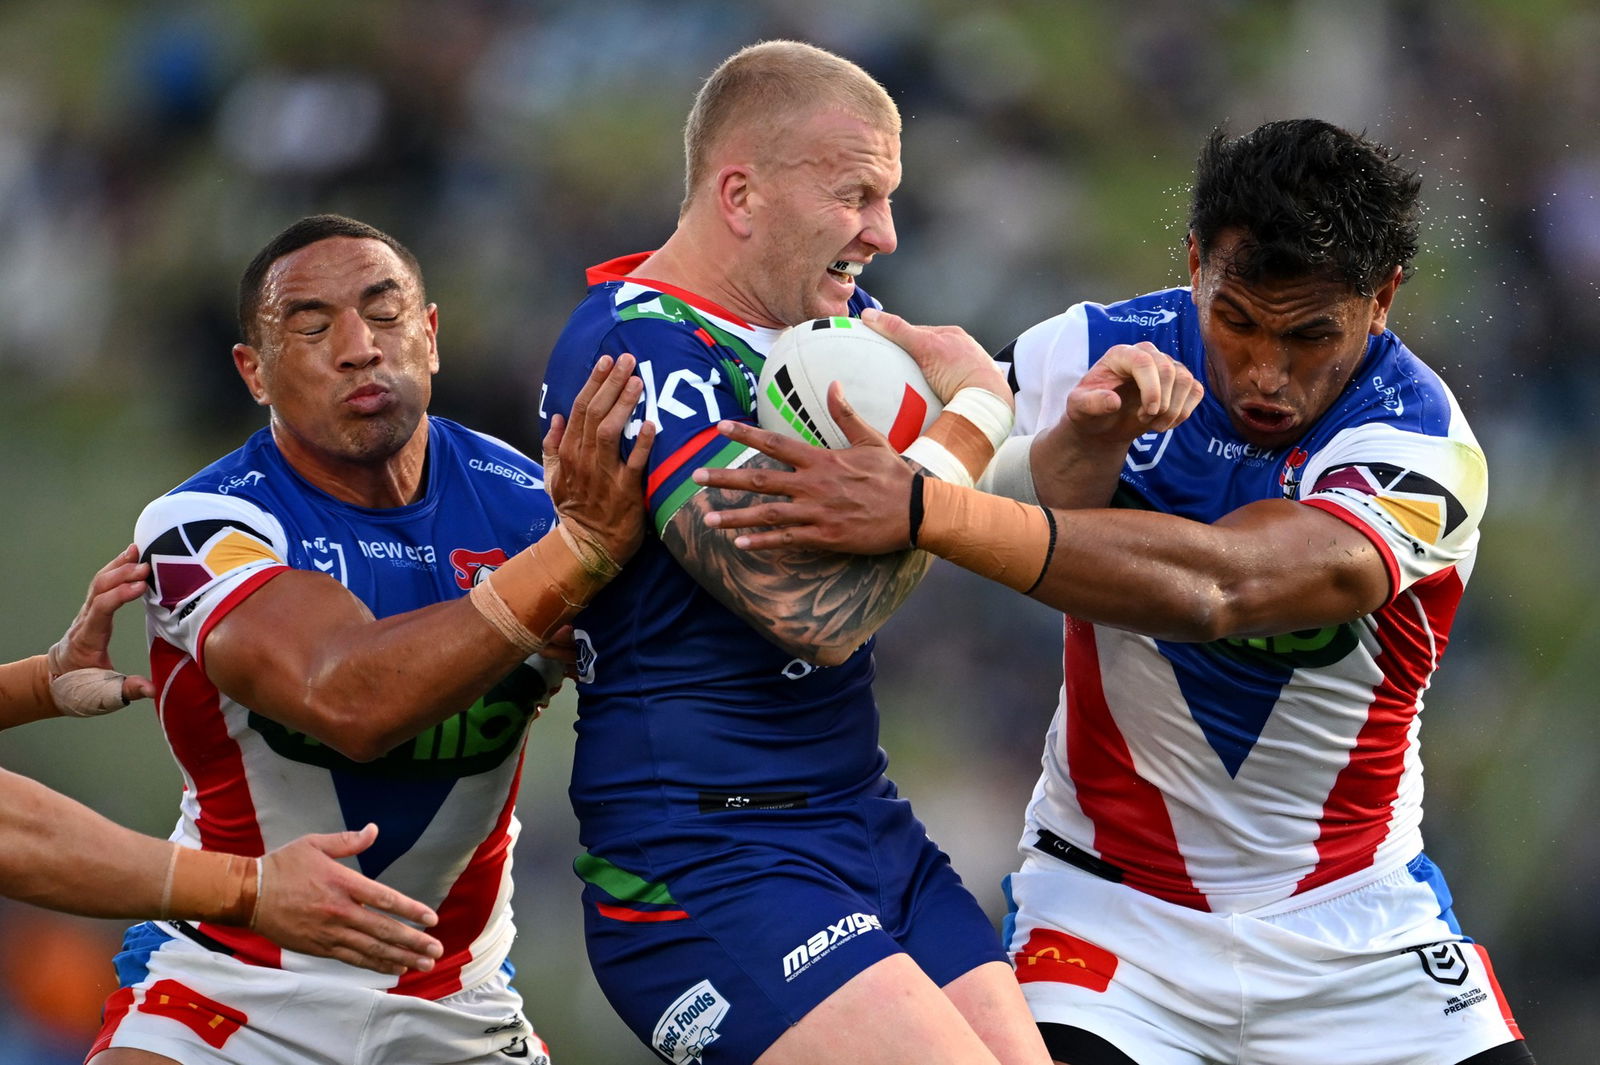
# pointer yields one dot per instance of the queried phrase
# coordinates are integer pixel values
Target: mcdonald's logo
(1060, 958)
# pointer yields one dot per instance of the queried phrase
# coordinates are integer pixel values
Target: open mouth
(846, 271)
(1266, 419)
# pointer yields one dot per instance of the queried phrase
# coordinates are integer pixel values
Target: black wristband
(1049, 552)
(916, 506)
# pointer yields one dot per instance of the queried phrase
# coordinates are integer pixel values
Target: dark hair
(1312, 199)
(308, 230)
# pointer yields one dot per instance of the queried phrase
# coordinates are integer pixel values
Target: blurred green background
(147, 149)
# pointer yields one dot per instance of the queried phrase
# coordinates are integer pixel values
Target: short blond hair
(768, 86)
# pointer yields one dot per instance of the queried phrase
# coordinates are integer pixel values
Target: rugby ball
(880, 380)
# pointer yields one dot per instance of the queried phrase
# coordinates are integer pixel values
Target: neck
(709, 269)
(393, 481)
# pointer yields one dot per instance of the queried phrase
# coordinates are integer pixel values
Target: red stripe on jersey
(623, 913)
(191, 715)
(1499, 996)
(1412, 632)
(1132, 828)
(466, 910)
(116, 1008)
(234, 597)
(670, 464)
(620, 269)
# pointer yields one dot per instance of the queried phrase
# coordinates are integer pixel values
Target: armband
(540, 588)
(1011, 472)
(962, 440)
(998, 538)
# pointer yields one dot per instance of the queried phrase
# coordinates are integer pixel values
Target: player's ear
(736, 198)
(247, 360)
(431, 317)
(1383, 299)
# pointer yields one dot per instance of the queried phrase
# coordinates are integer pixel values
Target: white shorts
(1373, 976)
(201, 1007)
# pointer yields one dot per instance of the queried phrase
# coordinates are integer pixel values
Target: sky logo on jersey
(1147, 449)
(690, 1024)
(1055, 957)
(473, 567)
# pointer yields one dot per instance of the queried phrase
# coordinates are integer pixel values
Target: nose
(1269, 368)
(878, 232)
(355, 345)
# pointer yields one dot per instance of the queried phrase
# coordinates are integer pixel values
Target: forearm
(58, 853)
(25, 692)
(364, 686)
(816, 605)
(1159, 574)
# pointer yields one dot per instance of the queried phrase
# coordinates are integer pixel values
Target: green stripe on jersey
(681, 495)
(619, 883)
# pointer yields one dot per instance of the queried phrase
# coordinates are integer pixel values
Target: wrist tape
(961, 441)
(25, 689)
(208, 886)
(998, 538)
(542, 587)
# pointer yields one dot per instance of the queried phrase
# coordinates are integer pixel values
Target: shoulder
(481, 453)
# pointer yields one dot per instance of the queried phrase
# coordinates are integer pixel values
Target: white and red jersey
(1242, 774)
(443, 801)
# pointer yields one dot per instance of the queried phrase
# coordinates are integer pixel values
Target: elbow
(347, 728)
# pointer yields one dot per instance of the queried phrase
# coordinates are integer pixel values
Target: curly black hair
(1312, 200)
(306, 231)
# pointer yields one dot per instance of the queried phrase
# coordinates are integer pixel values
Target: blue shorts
(712, 934)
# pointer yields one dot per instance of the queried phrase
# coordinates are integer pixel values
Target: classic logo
(1146, 450)
(825, 941)
(327, 556)
(690, 1024)
(1148, 319)
(1444, 962)
(1389, 396)
(520, 478)
(243, 480)
(473, 567)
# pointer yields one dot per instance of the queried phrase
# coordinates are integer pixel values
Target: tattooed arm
(819, 606)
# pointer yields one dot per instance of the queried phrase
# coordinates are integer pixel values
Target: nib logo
(1444, 962)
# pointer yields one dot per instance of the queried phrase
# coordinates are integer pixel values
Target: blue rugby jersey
(682, 706)
(1241, 773)
(443, 802)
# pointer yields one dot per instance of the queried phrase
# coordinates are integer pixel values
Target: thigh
(888, 1014)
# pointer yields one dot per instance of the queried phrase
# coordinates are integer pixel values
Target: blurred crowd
(148, 149)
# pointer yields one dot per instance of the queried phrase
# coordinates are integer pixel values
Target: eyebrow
(377, 288)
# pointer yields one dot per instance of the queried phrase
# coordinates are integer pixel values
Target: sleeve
(1418, 497)
(207, 553)
(690, 383)
(1043, 365)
